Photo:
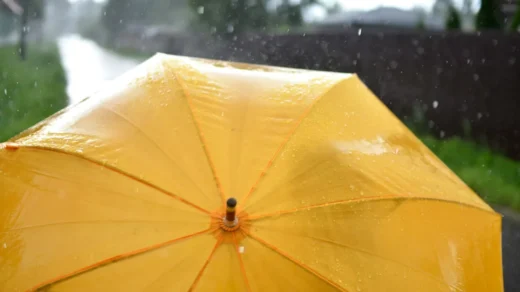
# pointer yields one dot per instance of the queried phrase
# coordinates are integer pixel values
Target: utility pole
(23, 28)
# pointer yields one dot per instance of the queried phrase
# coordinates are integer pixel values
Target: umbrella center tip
(230, 220)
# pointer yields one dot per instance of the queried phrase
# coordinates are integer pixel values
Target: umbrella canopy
(194, 174)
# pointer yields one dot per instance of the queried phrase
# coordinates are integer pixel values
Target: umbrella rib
(114, 259)
(287, 139)
(300, 264)
(199, 133)
(431, 276)
(109, 167)
(365, 199)
(199, 275)
(295, 210)
(241, 261)
(84, 222)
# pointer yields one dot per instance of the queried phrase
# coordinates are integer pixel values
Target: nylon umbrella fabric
(127, 190)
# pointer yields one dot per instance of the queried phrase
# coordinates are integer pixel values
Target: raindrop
(483, 60)
(230, 28)
(435, 104)
(241, 249)
(5, 91)
(200, 9)
(120, 21)
(479, 116)
(442, 134)
(359, 32)
(393, 64)
(495, 42)
(512, 61)
(475, 77)
(5, 245)
(420, 50)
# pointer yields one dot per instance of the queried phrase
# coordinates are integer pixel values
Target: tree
(453, 20)
(117, 15)
(515, 24)
(487, 16)
(229, 17)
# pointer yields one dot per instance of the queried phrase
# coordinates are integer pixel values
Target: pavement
(510, 248)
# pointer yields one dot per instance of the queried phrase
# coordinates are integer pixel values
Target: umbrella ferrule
(231, 219)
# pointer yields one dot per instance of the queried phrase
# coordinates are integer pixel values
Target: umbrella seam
(114, 259)
(298, 263)
(199, 133)
(349, 247)
(109, 167)
(377, 198)
(199, 275)
(289, 136)
(241, 261)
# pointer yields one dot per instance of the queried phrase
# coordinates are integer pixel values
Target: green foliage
(30, 90)
(487, 16)
(453, 21)
(515, 24)
(421, 24)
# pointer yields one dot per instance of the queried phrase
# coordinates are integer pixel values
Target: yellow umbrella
(194, 174)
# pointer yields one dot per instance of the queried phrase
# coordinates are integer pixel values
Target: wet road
(88, 66)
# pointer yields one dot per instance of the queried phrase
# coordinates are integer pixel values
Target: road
(88, 66)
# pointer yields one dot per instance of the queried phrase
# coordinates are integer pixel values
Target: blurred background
(449, 69)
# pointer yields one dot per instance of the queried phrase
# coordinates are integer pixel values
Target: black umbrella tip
(231, 203)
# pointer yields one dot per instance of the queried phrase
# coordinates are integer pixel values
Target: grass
(493, 176)
(30, 90)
